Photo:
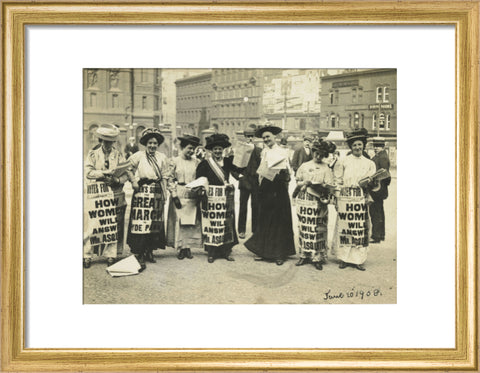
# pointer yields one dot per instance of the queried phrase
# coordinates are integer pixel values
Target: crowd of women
(192, 184)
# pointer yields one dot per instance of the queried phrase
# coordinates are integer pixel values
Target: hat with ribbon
(267, 127)
(189, 140)
(357, 134)
(324, 147)
(108, 132)
(149, 133)
(217, 139)
(250, 130)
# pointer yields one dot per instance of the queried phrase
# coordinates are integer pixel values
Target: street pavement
(245, 281)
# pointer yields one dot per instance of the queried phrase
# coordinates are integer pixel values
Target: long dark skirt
(273, 238)
(141, 242)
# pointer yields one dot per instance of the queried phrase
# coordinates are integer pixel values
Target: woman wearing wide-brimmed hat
(273, 238)
(146, 231)
(218, 240)
(313, 180)
(353, 173)
(99, 166)
(184, 228)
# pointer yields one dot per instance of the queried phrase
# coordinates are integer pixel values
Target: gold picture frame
(463, 15)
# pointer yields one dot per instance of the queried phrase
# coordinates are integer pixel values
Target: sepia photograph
(240, 186)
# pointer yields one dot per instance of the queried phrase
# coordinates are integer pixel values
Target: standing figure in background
(146, 231)
(131, 147)
(217, 170)
(380, 192)
(354, 174)
(273, 238)
(302, 154)
(184, 228)
(248, 185)
(314, 178)
(100, 163)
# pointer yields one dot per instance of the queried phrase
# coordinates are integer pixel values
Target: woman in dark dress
(273, 239)
(217, 170)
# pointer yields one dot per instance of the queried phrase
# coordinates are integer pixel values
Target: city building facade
(361, 99)
(291, 100)
(237, 99)
(193, 103)
(131, 99)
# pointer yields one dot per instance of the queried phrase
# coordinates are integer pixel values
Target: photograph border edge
(14, 355)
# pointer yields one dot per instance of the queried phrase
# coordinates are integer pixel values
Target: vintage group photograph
(239, 186)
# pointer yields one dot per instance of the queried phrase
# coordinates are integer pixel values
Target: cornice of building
(195, 78)
(358, 73)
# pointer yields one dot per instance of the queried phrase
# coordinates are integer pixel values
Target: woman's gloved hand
(177, 203)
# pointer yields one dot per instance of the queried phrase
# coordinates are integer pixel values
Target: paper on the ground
(125, 267)
(242, 153)
(201, 181)
(276, 159)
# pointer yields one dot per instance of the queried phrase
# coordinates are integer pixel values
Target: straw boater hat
(148, 133)
(250, 131)
(378, 141)
(358, 134)
(217, 139)
(308, 138)
(267, 127)
(189, 139)
(108, 132)
(324, 147)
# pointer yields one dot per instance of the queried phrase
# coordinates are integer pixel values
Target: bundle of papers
(277, 159)
(121, 169)
(125, 267)
(266, 172)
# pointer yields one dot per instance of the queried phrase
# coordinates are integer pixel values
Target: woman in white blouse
(184, 228)
(146, 230)
(353, 173)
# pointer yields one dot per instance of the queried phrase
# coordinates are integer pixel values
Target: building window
(387, 124)
(374, 121)
(381, 121)
(356, 120)
(354, 95)
(143, 75)
(93, 100)
(114, 101)
(379, 94)
(333, 121)
(359, 94)
(144, 102)
(303, 124)
(386, 94)
(331, 98)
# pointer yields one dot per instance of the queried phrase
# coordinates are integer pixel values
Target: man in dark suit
(248, 185)
(131, 147)
(377, 213)
(302, 154)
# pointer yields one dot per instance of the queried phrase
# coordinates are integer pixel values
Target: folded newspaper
(242, 153)
(125, 267)
(200, 182)
(381, 174)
